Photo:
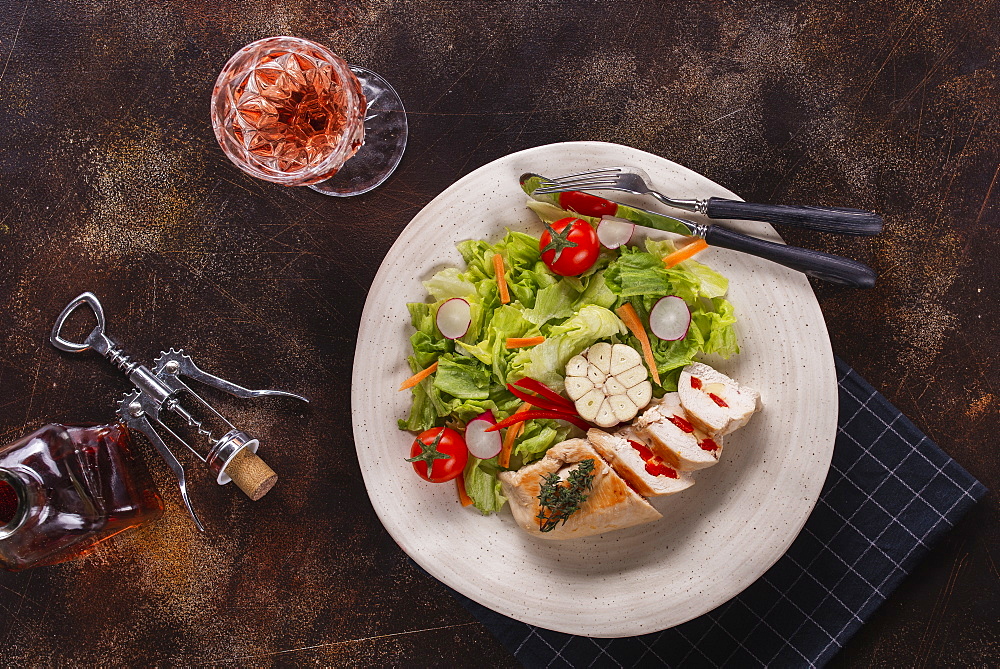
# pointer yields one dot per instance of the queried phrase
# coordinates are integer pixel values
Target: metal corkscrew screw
(158, 392)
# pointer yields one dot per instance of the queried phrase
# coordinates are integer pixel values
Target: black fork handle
(824, 219)
(825, 266)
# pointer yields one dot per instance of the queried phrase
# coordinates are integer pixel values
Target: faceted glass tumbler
(288, 110)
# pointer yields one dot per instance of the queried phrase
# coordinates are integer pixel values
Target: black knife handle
(825, 266)
(825, 219)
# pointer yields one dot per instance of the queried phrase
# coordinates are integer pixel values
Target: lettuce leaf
(427, 405)
(596, 291)
(553, 302)
(721, 334)
(423, 413)
(660, 248)
(483, 487)
(711, 284)
(449, 283)
(463, 378)
(538, 436)
(636, 273)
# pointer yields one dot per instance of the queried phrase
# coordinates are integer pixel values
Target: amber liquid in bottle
(65, 489)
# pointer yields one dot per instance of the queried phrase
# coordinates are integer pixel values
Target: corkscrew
(158, 392)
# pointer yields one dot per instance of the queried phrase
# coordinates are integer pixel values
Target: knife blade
(644, 217)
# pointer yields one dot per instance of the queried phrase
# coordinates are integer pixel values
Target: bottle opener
(231, 457)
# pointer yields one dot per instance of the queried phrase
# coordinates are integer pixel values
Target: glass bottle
(65, 489)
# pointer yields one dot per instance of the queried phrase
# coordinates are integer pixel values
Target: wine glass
(288, 110)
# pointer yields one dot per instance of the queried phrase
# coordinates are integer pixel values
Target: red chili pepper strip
(718, 400)
(540, 402)
(682, 424)
(708, 445)
(654, 465)
(539, 415)
(545, 391)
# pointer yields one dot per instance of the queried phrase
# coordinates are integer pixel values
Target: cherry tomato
(441, 448)
(587, 204)
(569, 246)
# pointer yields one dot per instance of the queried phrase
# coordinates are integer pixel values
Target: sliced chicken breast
(635, 462)
(610, 505)
(672, 436)
(715, 403)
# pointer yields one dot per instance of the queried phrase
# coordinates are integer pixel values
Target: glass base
(385, 139)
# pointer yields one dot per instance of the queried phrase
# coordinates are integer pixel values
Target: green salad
(570, 312)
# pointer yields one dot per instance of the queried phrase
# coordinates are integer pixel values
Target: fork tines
(601, 170)
(588, 180)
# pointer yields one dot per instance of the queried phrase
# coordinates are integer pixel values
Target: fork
(818, 264)
(634, 180)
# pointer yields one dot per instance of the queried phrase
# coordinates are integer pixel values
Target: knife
(817, 264)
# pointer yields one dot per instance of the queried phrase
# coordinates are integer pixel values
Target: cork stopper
(251, 474)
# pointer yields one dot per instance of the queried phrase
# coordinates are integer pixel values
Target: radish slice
(614, 232)
(454, 318)
(482, 444)
(670, 318)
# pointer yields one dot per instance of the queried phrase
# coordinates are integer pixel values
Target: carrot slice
(512, 434)
(463, 496)
(419, 376)
(501, 279)
(682, 254)
(631, 319)
(522, 342)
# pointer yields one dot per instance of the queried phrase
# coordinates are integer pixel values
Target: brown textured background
(112, 182)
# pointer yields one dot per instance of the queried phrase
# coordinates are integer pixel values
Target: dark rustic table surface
(112, 181)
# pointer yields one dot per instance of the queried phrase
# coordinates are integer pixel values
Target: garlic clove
(596, 376)
(577, 386)
(603, 396)
(613, 387)
(606, 415)
(588, 405)
(632, 376)
(599, 355)
(640, 394)
(623, 357)
(622, 407)
(577, 366)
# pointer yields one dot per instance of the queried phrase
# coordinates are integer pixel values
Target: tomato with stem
(569, 246)
(439, 454)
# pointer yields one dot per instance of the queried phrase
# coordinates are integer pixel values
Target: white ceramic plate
(715, 539)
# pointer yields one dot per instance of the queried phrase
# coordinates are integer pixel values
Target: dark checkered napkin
(890, 495)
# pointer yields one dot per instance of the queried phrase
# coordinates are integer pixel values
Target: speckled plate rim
(715, 539)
